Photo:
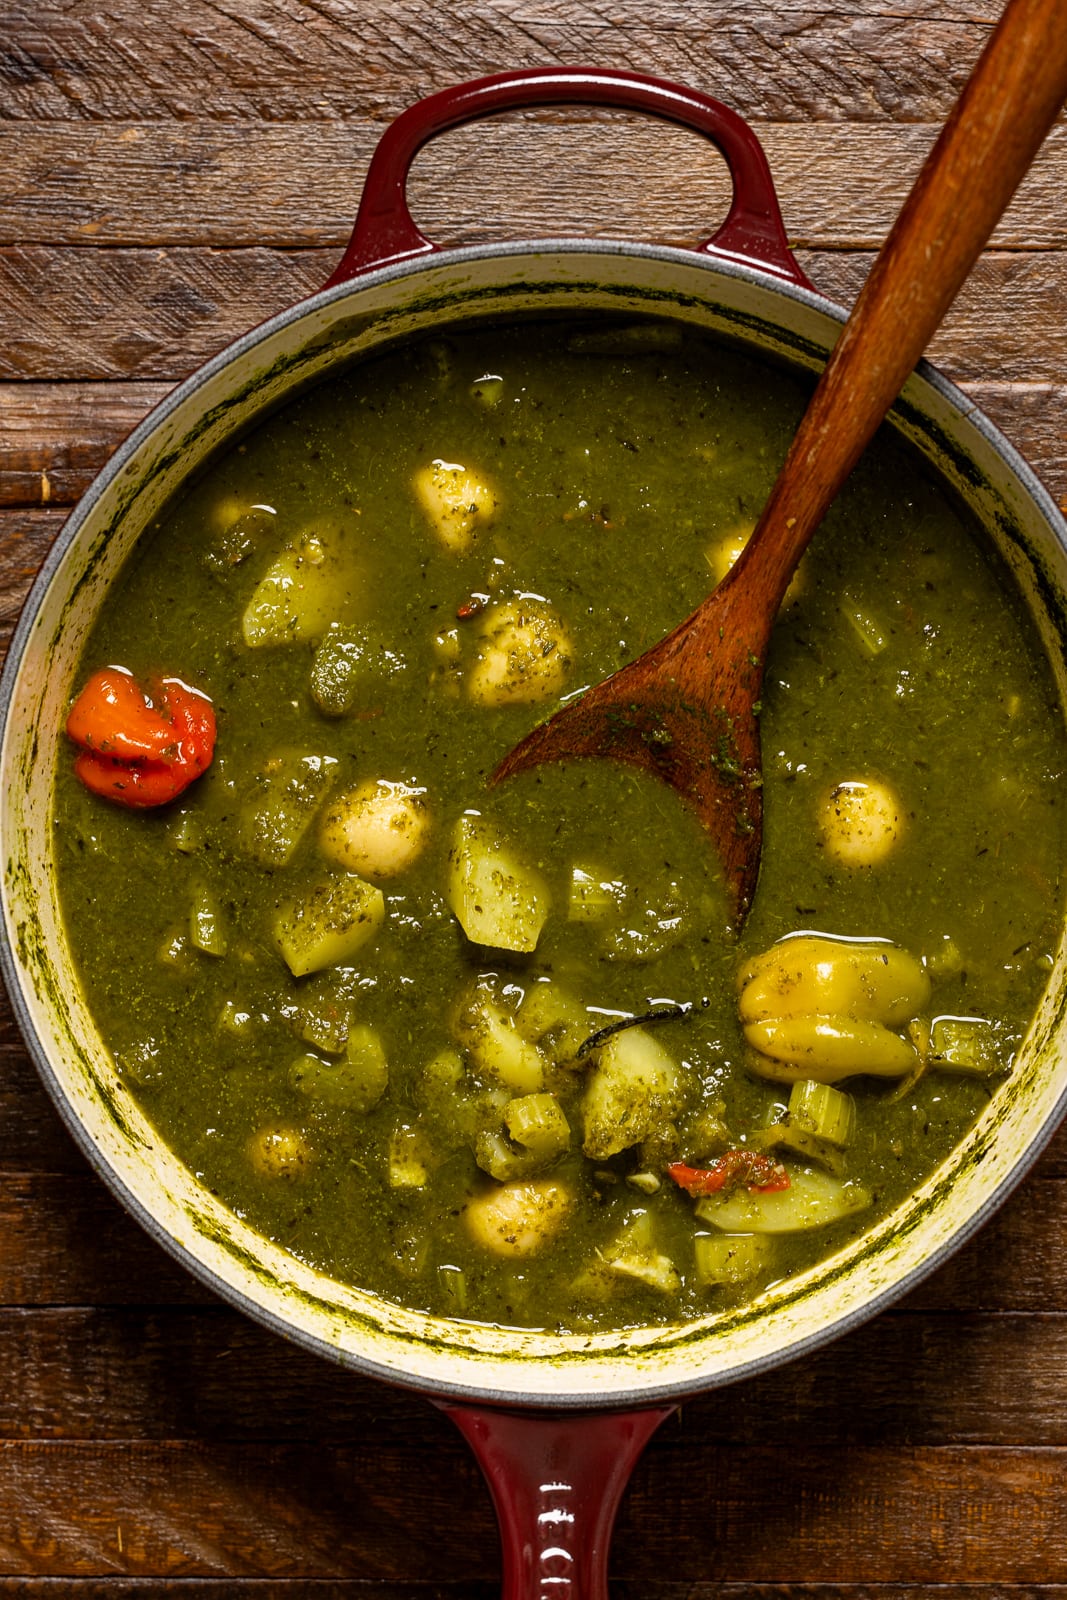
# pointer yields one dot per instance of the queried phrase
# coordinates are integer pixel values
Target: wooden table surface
(172, 172)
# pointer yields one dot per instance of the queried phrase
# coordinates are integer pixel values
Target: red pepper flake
(757, 1172)
(472, 607)
(140, 749)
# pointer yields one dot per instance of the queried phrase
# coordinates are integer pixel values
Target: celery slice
(969, 1046)
(207, 931)
(537, 1122)
(356, 1082)
(827, 1112)
(730, 1259)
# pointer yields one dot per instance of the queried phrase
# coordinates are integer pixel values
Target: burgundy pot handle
(753, 232)
(556, 1482)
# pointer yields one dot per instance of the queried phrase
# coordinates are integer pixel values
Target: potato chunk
(499, 899)
(519, 1218)
(329, 924)
(812, 1200)
(634, 1087)
(279, 1151)
(455, 500)
(311, 584)
(524, 655)
(861, 822)
(377, 829)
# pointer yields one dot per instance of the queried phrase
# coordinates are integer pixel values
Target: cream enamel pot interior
(392, 283)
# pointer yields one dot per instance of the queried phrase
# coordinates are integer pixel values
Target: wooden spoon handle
(984, 150)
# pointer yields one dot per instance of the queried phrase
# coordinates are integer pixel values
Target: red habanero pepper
(140, 750)
(729, 1171)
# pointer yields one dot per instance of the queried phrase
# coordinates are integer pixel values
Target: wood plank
(55, 438)
(270, 61)
(587, 173)
(214, 1508)
(64, 1239)
(853, 1516)
(32, 1137)
(47, 1587)
(201, 1372)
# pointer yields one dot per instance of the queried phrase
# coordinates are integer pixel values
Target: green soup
(467, 1046)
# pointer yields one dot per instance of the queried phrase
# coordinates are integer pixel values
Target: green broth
(618, 461)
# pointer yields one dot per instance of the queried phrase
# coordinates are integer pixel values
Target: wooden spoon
(688, 709)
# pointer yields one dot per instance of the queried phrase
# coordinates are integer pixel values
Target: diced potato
(524, 655)
(288, 791)
(554, 1021)
(827, 1049)
(329, 925)
(497, 1047)
(633, 1255)
(861, 822)
(356, 1082)
(239, 532)
(378, 828)
(810, 974)
(323, 1022)
(730, 1259)
(280, 1151)
(311, 584)
(499, 899)
(488, 390)
(518, 1219)
(633, 1087)
(456, 501)
(813, 1200)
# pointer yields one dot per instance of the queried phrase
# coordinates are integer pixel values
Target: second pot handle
(556, 1482)
(753, 232)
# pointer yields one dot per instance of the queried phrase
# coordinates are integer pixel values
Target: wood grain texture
(202, 1372)
(333, 59)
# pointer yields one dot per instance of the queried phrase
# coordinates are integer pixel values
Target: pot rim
(244, 345)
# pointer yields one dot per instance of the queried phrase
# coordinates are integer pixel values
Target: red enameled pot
(557, 1421)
